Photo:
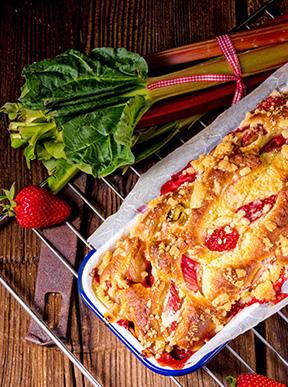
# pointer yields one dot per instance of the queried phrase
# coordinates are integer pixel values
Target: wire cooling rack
(264, 10)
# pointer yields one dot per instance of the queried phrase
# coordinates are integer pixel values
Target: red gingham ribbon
(229, 53)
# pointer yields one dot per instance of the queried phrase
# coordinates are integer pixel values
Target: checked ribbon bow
(230, 54)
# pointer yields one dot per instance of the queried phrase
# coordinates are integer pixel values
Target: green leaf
(232, 381)
(148, 134)
(84, 168)
(29, 154)
(41, 152)
(17, 112)
(17, 142)
(144, 150)
(7, 208)
(28, 127)
(80, 111)
(70, 109)
(122, 61)
(50, 165)
(73, 75)
(55, 149)
(96, 100)
(10, 193)
(105, 139)
(40, 132)
(150, 140)
(13, 109)
(62, 173)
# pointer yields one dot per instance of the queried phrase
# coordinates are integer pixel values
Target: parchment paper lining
(149, 184)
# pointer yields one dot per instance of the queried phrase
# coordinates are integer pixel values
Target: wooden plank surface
(34, 29)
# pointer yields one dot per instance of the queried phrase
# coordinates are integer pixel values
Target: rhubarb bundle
(80, 112)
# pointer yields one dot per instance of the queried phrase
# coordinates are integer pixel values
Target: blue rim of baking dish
(144, 360)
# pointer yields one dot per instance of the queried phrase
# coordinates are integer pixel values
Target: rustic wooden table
(34, 29)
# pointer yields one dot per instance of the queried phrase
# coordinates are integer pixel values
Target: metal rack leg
(53, 337)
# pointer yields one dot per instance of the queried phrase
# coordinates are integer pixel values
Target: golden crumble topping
(214, 241)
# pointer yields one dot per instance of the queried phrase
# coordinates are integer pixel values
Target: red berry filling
(237, 307)
(271, 102)
(174, 301)
(126, 324)
(177, 180)
(142, 209)
(278, 285)
(222, 239)
(172, 306)
(274, 144)
(123, 323)
(251, 135)
(189, 270)
(173, 326)
(254, 210)
(176, 358)
(95, 275)
(108, 284)
(149, 279)
(279, 296)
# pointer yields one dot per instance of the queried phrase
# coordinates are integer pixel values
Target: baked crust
(207, 248)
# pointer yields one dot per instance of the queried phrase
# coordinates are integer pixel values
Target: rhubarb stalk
(247, 40)
(201, 101)
(252, 62)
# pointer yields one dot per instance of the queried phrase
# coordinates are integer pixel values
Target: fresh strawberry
(253, 380)
(35, 207)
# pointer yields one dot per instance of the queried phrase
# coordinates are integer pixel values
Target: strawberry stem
(9, 202)
(232, 381)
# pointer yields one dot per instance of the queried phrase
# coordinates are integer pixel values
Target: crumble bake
(213, 242)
